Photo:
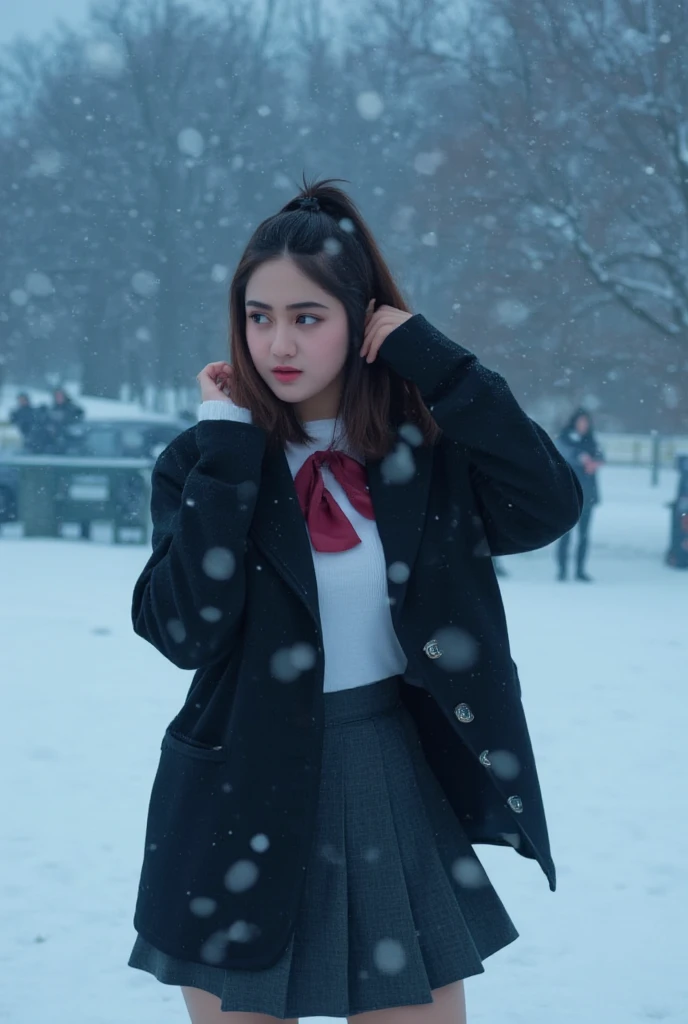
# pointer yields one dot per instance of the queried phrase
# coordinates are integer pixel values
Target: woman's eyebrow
(294, 305)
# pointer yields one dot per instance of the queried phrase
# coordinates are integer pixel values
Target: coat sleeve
(526, 492)
(188, 602)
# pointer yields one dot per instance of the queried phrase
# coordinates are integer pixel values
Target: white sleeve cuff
(223, 409)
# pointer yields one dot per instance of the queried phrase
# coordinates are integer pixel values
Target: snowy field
(604, 669)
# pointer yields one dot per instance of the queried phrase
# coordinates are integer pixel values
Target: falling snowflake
(505, 765)
(145, 283)
(104, 58)
(459, 649)
(427, 163)
(190, 142)
(210, 614)
(202, 906)
(469, 873)
(287, 663)
(398, 572)
(389, 956)
(176, 630)
(242, 931)
(47, 162)
(219, 563)
(219, 273)
(241, 876)
(399, 466)
(369, 105)
(39, 284)
(411, 434)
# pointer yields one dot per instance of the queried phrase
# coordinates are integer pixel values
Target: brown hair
(333, 246)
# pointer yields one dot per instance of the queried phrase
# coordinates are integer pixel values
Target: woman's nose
(283, 343)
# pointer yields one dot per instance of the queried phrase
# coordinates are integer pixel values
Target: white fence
(643, 449)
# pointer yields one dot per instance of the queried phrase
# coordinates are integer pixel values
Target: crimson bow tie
(328, 527)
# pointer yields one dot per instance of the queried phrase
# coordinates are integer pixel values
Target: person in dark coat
(322, 559)
(24, 415)
(578, 445)
(62, 415)
(32, 423)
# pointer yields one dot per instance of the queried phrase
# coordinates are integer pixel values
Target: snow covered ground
(604, 669)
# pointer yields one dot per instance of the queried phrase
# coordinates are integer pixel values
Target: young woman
(578, 445)
(322, 558)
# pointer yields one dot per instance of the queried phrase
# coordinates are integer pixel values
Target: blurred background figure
(577, 444)
(32, 423)
(24, 417)
(63, 415)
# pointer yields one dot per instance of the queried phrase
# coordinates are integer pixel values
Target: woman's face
(582, 425)
(291, 322)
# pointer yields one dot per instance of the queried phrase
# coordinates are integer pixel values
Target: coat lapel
(399, 487)
(279, 530)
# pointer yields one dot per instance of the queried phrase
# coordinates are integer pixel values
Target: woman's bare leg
(448, 1007)
(204, 1008)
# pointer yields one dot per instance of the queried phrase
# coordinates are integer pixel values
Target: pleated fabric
(396, 901)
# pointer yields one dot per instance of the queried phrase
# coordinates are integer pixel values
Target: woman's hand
(590, 465)
(379, 324)
(215, 380)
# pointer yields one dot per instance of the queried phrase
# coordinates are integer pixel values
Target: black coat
(23, 418)
(230, 589)
(31, 421)
(60, 417)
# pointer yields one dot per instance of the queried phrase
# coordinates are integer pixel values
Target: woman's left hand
(379, 324)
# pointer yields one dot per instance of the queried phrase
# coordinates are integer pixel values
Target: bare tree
(586, 103)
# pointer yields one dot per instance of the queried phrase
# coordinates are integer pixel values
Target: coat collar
(399, 486)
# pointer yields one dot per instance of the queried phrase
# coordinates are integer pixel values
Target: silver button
(464, 713)
(484, 759)
(432, 649)
(516, 804)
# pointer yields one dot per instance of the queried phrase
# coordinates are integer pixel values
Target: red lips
(285, 373)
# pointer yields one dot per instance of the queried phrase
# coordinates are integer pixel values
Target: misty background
(523, 165)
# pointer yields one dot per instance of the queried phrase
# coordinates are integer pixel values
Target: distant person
(63, 414)
(579, 447)
(24, 416)
(31, 422)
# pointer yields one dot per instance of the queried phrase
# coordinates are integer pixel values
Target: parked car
(100, 439)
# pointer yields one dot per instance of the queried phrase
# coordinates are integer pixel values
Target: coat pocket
(173, 740)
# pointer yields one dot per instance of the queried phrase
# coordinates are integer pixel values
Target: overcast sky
(32, 17)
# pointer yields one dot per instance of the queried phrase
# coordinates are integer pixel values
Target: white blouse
(359, 640)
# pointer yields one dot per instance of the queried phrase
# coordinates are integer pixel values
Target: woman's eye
(314, 319)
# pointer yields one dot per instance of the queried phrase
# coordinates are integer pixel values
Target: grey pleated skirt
(396, 902)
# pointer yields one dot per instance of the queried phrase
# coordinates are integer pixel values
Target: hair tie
(309, 203)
